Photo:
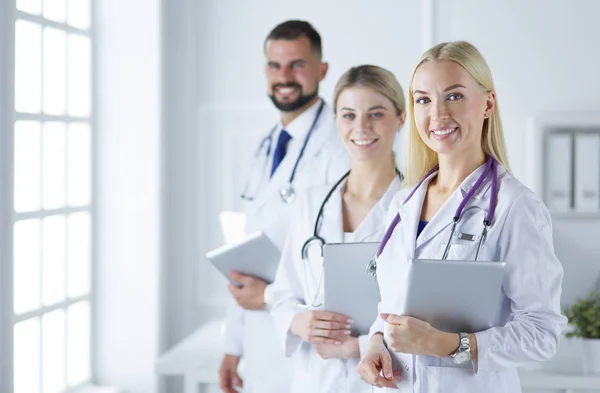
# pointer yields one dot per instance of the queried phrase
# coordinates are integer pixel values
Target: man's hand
(229, 375)
(251, 295)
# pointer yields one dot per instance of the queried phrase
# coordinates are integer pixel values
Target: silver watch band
(463, 353)
(464, 341)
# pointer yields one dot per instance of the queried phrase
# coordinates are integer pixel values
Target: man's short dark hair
(294, 29)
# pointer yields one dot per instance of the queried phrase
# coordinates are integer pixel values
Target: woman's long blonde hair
(420, 158)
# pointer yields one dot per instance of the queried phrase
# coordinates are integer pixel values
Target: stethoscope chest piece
(372, 267)
(288, 194)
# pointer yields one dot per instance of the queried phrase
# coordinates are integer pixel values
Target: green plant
(584, 315)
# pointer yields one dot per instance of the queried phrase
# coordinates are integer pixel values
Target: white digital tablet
(255, 256)
(349, 289)
(455, 296)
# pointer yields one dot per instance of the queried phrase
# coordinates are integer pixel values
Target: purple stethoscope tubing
(490, 165)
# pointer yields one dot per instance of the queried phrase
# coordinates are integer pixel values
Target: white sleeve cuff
(377, 327)
(483, 351)
(233, 337)
(363, 341)
(292, 344)
(283, 314)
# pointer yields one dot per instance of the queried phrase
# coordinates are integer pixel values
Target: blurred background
(127, 126)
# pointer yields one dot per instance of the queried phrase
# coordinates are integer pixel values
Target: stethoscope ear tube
(315, 238)
(267, 141)
(309, 243)
(491, 166)
(288, 194)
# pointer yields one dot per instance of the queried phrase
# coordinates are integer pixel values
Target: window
(52, 196)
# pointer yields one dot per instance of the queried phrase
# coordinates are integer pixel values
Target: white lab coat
(530, 321)
(250, 334)
(312, 373)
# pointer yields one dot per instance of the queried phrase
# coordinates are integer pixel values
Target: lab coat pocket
(375, 389)
(458, 252)
(457, 380)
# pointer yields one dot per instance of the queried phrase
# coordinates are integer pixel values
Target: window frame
(9, 15)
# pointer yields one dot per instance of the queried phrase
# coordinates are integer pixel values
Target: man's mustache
(291, 84)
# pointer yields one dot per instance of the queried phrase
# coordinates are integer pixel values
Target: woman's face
(367, 123)
(450, 108)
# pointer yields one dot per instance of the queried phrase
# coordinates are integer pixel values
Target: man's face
(293, 72)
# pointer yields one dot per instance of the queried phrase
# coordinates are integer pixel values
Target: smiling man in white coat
(301, 151)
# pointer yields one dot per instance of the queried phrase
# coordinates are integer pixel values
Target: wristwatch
(463, 353)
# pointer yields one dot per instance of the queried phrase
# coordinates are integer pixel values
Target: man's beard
(292, 106)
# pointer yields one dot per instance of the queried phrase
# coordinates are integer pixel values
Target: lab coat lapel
(440, 220)
(257, 178)
(410, 213)
(279, 180)
(331, 230)
(332, 222)
(375, 220)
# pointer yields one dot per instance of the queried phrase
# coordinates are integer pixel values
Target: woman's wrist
(376, 337)
(353, 349)
(443, 344)
(374, 341)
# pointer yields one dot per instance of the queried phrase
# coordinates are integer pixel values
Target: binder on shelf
(558, 191)
(587, 172)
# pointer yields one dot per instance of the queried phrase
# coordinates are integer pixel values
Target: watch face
(462, 357)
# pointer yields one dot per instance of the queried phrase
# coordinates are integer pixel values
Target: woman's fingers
(330, 334)
(324, 340)
(331, 316)
(373, 377)
(329, 325)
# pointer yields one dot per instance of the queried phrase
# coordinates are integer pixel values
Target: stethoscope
(491, 165)
(286, 193)
(316, 239)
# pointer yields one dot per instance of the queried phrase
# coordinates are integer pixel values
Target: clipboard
(255, 256)
(455, 296)
(349, 289)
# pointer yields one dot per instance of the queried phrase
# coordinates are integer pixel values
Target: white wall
(128, 163)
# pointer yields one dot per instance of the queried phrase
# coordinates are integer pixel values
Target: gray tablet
(349, 289)
(255, 256)
(455, 296)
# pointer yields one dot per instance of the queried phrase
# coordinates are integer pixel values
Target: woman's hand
(416, 337)
(375, 368)
(348, 349)
(321, 327)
